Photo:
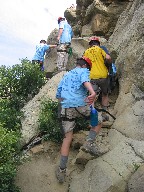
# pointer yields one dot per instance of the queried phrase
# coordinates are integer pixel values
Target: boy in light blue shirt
(64, 38)
(65, 32)
(72, 92)
(41, 49)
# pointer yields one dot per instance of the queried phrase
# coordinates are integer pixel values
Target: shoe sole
(90, 152)
(60, 181)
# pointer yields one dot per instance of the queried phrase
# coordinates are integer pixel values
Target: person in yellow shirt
(99, 71)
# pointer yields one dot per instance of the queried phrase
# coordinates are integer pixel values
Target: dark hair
(81, 62)
(42, 41)
(61, 19)
(94, 42)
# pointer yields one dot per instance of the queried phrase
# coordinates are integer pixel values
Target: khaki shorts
(71, 114)
(62, 56)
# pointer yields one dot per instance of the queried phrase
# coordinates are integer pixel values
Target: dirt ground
(37, 173)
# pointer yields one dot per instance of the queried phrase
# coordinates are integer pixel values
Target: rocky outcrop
(32, 109)
(136, 183)
(96, 17)
(112, 171)
(128, 39)
(70, 15)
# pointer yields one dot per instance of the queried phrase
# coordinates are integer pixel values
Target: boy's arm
(91, 97)
(59, 33)
(59, 89)
(108, 58)
(52, 46)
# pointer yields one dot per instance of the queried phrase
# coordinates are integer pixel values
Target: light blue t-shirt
(67, 33)
(40, 51)
(71, 88)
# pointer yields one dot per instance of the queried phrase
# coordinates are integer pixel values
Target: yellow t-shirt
(97, 56)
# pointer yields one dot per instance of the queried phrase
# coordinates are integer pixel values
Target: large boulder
(32, 109)
(70, 15)
(128, 41)
(100, 15)
(136, 182)
(109, 173)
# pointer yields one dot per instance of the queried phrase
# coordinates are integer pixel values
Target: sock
(91, 136)
(63, 161)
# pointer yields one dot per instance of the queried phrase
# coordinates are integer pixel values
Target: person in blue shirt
(72, 93)
(41, 49)
(64, 38)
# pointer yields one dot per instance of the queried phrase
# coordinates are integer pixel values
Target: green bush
(8, 159)
(20, 81)
(9, 116)
(48, 121)
(17, 84)
(50, 125)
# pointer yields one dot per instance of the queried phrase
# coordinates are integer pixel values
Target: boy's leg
(61, 54)
(103, 83)
(65, 149)
(89, 145)
(68, 126)
(61, 170)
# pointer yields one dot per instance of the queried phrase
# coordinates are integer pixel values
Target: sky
(23, 23)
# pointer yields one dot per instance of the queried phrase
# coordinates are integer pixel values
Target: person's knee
(68, 137)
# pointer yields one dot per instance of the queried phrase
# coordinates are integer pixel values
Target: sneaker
(60, 174)
(89, 147)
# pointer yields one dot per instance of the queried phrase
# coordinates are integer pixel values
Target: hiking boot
(89, 147)
(105, 117)
(60, 174)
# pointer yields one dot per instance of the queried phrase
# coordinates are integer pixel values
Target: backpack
(112, 76)
(111, 71)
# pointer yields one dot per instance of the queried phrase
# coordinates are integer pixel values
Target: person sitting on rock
(72, 92)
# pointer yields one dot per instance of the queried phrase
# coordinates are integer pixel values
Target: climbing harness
(99, 110)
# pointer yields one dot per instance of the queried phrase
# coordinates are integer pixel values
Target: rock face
(128, 41)
(112, 171)
(32, 109)
(136, 183)
(51, 56)
(98, 16)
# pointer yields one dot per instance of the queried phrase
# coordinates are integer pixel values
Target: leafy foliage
(49, 122)
(8, 159)
(17, 84)
(21, 81)
(9, 116)
(51, 126)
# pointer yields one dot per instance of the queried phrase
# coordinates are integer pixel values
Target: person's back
(67, 33)
(97, 55)
(72, 90)
(64, 38)
(41, 48)
(99, 71)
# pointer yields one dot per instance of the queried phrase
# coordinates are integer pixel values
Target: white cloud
(30, 20)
